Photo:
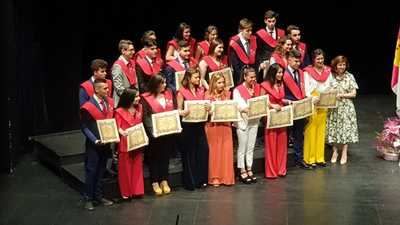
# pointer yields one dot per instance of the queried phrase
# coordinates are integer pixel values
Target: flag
(396, 72)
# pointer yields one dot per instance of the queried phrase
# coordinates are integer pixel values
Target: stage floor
(365, 191)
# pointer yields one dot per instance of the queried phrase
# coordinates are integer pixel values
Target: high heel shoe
(156, 188)
(252, 177)
(165, 188)
(245, 179)
(343, 160)
(334, 157)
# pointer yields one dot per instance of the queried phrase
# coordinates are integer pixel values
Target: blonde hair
(213, 83)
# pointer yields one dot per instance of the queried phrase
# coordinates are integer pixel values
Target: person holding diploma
(194, 146)
(246, 129)
(342, 121)
(130, 164)
(317, 79)
(219, 137)
(275, 140)
(158, 99)
(98, 107)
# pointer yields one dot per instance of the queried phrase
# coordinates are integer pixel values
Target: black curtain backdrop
(52, 44)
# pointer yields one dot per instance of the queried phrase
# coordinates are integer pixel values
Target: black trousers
(157, 157)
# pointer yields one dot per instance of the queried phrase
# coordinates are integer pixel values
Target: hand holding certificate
(137, 137)
(178, 79)
(258, 107)
(197, 111)
(166, 123)
(303, 108)
(281, 118)
(108, 130)
(225, 111)
(327, 99)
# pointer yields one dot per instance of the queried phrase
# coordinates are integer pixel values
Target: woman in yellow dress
(317, 79)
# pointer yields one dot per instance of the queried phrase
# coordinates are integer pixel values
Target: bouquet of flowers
(388, 141)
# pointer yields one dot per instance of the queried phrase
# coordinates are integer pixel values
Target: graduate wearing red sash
(194, 146)
(294, 34)
(267, 40)
(246, 129)
(183, 33)
(123, 71)
(242, 49)
(130, 167)
(275, 140)
(147, 66)
(210, 34)
(215, 61)
(98, 107)
(158, 99)
(86, 90)
(149, 35)
(281, 51)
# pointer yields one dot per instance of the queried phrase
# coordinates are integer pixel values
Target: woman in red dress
(130, 164)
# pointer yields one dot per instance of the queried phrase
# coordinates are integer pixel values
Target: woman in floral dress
(342, 121)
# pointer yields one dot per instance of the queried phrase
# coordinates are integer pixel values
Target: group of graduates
(272, 62)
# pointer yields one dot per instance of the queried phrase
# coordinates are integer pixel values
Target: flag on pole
(396, 72)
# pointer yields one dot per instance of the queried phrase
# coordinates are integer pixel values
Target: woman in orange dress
(219, 137)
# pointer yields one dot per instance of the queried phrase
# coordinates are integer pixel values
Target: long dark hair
(271, 74)
(154, 83)
(127, 98)
(179, 31)
(246, 69)
(188, 75)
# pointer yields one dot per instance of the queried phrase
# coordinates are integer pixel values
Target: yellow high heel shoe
(156, 188)
(165, 188)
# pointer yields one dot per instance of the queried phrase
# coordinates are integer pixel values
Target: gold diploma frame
(282, 118)
(166, 123)
(108, 130)
(227, 73)
(258, 107)
(197, 111)
(225, 111)
(327, 100)
(137, 137)
(303, 108)
(178, 79)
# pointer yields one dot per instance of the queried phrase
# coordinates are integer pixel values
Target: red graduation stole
(178, 67)
(268, 39)
(277, 95)
(142, 54)
(96, 113)
(192, 43)
(318, 77)
(129, 72)
(240, 51)
(279, 59)
(245, 93)
(147, 68)
(291, 84)
(205, 46)
(88, 87)
(188, 95)
(131, 120)
(213, 66)
(156, 107)
(226, 96)
(302, 47)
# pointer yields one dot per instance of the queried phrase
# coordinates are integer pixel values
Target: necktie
(296, 76)
(247, 44)
(103, 104)
(272, 34)
(186, 64)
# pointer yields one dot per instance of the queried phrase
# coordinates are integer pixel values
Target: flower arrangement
(388, 141)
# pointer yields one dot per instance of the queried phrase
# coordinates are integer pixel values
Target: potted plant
(388, 141)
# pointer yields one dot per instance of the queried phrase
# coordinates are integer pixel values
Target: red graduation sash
(192, 43)
(188, 95)
(213, 66)
(147, 68)
(205, 46)
(318, 77)
(277, 95)
(156, 107)
(130, 73)
(88, 87)
(96, 113)
(290, 83)
(245, 93)
(278, 59)
(268, 39)
(240, 51)
(178, 67)
(131, 120)
(302, 47)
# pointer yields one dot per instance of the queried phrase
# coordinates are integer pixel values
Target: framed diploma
(227, 73)
(197, 111)
(303, 108)
(178, 79)
(225, 111)
(137, 137)
(327, 100)
(258, 107)
(282, 118)
(108, 130)
(166, 123)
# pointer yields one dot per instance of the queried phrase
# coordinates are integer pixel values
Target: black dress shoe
(246, 179)
(303, 165)
(105, 202)
(321, 164)
(89, 206)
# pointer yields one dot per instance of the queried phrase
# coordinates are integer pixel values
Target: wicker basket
(390, 156)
